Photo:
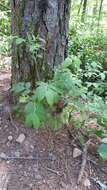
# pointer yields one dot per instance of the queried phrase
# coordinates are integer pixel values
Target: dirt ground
(44, 160)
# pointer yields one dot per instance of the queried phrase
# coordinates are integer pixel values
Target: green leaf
(94, 64)
(102, 150)
(41, 112)
(51, 96)
(29, 108)
(40, 92)
(18, 88)
(104, 140)
(32, 120)
(36, 121)
(102, 76)
(23, 99)
(19, 41)
(29, 119)
(67, 62)
(27, 85)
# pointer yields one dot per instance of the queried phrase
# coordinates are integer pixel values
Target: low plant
(5, 28)
(60, 90)
(62, 100)
(90, 47)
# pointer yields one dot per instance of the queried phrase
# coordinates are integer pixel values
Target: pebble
(76, 152)
(2, 155)
(20, 138)
(28, 147)
(17, 154)
(52, 156)
(10, 138)
(87, 183)
(6, 126)
(8, 161)
(38, 177)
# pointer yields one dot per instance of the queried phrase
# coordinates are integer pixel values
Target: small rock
(32, 147)
(52, 157)
(6, 126)
(87, 183)
(17, 154)
(2, 155)
(28, 147)
(8, 161)
(31, 186)
(38, 177)
(20, 166)
(10, 138)
(20, 138)
(76, 152)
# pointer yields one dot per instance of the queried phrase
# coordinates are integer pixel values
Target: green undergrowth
(63, 100)
(5, 28)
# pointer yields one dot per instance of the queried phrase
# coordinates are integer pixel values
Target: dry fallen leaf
(76, 152)
(87, 183)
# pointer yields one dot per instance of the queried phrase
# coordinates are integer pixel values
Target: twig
(74, 138)
(5, 158)
(53, 171)
(7, 109)
(11, 120)
(18, 158)
(84, 161)
(97, 165)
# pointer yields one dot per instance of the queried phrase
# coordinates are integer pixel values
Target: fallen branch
(97, 165)
(8, 110)
(5, 158)
(84, 161)
(53, 171)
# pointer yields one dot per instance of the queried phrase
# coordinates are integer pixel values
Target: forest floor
(41, 160)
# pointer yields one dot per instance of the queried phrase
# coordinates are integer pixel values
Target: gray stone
(6, 126)
(20, 138)
(52, 156)
(76, 152)
(3, 155)
(10, 138)
(87, 183)
(17, 154)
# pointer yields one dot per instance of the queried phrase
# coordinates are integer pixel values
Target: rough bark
(49, 19)
(80, 7)
(84, 10)
(100, 10)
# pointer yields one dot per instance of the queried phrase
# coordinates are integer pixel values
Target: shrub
(62, 100)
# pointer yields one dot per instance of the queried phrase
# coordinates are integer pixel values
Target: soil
(44, 160)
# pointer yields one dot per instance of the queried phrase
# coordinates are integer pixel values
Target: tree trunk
(95, 7)
(84, 10)
(100, 9)
(80, 7)
(49, 19)
(94, 14)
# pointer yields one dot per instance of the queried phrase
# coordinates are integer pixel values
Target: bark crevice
(49, 19)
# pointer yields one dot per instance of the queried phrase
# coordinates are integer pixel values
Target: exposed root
(84, 161)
